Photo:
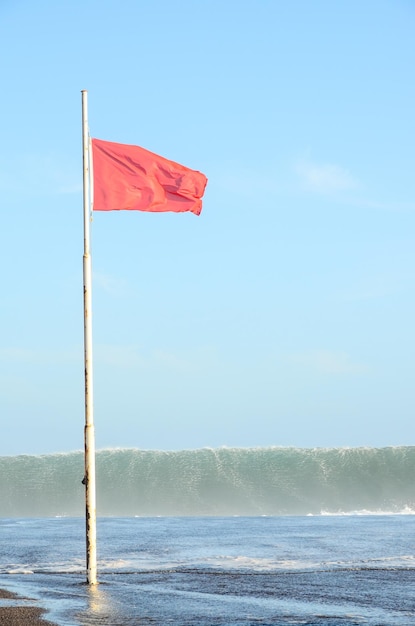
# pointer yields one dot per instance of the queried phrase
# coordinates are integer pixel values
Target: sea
(215, 537)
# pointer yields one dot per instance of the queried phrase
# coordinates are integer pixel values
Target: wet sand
(21, 612)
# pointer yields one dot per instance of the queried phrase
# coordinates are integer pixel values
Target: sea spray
(221, 481)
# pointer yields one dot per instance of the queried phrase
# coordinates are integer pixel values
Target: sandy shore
(17, 614)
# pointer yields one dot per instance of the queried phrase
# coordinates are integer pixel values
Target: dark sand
(24, 615)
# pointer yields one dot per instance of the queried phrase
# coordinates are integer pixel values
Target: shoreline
(21, 611)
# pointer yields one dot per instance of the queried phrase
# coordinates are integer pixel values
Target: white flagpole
(89, 479)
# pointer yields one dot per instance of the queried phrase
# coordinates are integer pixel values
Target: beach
(322, 570)
(20, 612)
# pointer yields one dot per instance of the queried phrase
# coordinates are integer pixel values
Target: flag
(131, 178)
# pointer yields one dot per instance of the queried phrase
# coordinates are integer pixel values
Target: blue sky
(283, 315)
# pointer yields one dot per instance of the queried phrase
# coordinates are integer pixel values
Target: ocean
(224, 537)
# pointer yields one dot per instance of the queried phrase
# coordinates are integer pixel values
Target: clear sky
(284, 314)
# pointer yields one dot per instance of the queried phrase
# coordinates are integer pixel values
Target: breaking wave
(221, 481)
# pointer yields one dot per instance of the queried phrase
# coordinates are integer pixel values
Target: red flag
(134, 179)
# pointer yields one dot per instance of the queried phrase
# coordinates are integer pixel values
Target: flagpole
(89, 433)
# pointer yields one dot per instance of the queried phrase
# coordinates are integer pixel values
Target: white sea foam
(404, 511)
